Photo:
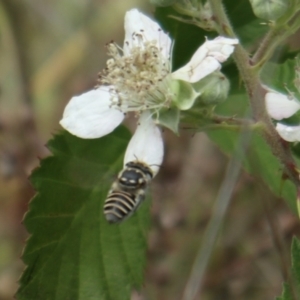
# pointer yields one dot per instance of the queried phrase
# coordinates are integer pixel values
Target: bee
(127, 192)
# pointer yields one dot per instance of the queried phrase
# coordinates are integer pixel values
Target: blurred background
(52, 50)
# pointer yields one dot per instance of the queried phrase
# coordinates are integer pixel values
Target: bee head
(135, 175)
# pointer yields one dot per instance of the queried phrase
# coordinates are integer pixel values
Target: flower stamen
(140, 79)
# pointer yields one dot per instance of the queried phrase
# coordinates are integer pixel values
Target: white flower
(280, 106)
(146, 144)
(138, 78)
(289, 133)
(206, 59)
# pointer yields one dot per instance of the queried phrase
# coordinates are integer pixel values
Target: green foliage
(281, 77)
(163, 2)
(270, 10)
(73, 253)
(286, 293)
(296, 263)
(169, 118)
(259, 162)
(189, 37)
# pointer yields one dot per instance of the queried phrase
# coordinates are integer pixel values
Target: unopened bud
(196, 13)
(269, 9)
(206, 17)
(213, 89)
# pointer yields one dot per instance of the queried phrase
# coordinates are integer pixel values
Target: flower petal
(288, 133)
(279, 106)
(220, 47)
(90, 116)
(191, 74)
(146, 145)
(138, 24)
(206, 59)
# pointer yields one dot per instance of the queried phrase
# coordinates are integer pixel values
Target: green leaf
(169, 118)
(73, 253)
(248, 28)
(162, 2)
(286, 293)
(270, 10)
(260, 162)
(186, 95)
(296, 262)
(281, 77)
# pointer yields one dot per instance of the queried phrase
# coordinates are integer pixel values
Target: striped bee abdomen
(119, 205)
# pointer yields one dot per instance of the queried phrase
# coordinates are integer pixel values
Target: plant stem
(256, 95)
(195, 280)
(266, 48)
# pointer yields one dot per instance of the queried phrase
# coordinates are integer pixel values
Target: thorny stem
(195, 281)
(270, 41)
(256, 92)
(256, 95)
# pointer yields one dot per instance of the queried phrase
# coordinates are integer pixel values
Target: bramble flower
(288, 132)
(138, 78)
(279, 107)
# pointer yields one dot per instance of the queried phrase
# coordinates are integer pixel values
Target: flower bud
(206, 17)
(163, 3)
(213, 89)
(269, 9)
(196, 13)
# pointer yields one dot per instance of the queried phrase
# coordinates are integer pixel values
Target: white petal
(89, 116)
(149, 30)
(220, 47)
(206, 59)
(288, 133)
(146, 145)
(279, 106)
(189, 74)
